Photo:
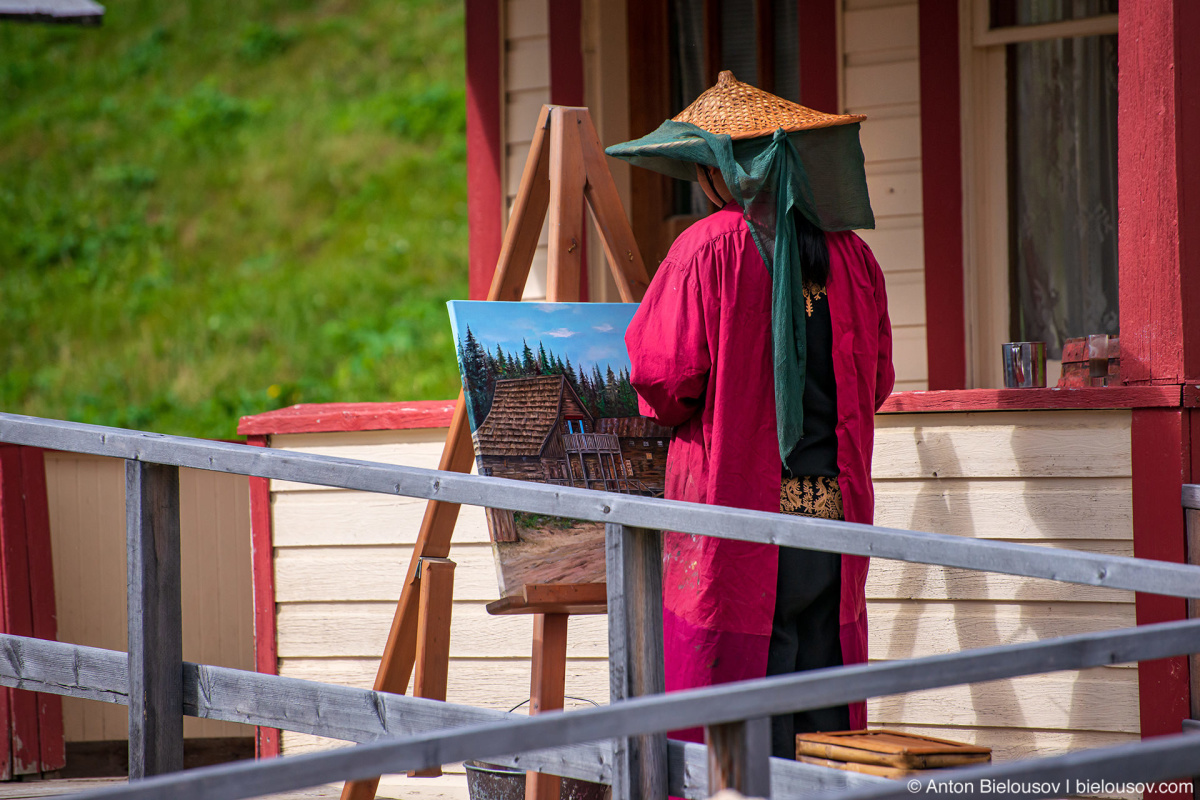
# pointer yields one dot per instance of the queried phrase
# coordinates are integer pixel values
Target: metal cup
(1024, 364)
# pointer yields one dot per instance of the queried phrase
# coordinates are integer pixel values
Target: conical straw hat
(745, 112)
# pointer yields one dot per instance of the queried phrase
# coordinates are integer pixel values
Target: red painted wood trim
(1158, 181)
(818, 54)
(266, 653)
(1187, 127)
(1033, 399)
(51, 745)
(11, 517)
(1162, 463)
(485, 149)
(1191, 397)
(326, 417)
(565, 18)
(942, 195)
(17, 605)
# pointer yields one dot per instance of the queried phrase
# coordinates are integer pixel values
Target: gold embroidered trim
(812, 293)
(811, 497)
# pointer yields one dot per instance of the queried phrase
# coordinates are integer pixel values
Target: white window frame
(984, 92)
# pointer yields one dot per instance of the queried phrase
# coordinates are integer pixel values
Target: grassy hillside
(212, 208)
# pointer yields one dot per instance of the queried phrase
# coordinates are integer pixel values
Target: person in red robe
(703, 346)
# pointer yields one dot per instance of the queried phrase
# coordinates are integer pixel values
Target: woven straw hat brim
(742, 111)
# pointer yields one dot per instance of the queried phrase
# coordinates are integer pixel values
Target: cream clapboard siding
(86, 496)
(340, 561)
(526, 55)
(880, 79)
(1059, 479)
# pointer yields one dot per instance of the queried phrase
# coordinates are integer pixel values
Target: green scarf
(818, 173)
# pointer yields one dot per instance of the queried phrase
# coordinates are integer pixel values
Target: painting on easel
(549, 400)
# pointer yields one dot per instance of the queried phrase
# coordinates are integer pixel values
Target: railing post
(739, 757)
(635, 653)
(155, 619)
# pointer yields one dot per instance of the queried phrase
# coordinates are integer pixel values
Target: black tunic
(816, 453)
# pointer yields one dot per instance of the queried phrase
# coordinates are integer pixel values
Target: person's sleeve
(668, 346)
(885, 372)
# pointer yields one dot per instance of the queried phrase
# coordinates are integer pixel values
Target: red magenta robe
(700, 345)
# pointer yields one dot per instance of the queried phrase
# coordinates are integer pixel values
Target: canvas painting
(549, 400)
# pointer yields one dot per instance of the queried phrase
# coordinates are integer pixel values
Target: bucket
(494, 782)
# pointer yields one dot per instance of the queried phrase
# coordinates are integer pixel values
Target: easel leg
(546, 689)
(578, 163)
(433, 636)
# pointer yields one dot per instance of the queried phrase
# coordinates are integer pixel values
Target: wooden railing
(623, 743)
(591, 443)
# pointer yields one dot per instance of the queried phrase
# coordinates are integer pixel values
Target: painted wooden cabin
(941, 84)
(978, 112)
(643, 445)
(522, 435)
(538, 429)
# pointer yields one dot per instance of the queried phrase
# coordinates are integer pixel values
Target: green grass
(214, 208)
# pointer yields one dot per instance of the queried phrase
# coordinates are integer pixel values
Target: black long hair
(814, 252)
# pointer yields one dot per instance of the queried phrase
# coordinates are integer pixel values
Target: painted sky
(587, 333)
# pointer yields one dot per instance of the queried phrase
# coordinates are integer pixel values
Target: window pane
(1063, 171)
(1005, 13)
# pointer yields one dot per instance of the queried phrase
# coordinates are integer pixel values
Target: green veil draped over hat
(816, 172)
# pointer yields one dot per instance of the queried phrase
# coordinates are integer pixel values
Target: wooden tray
(885, 748)
(868, 769)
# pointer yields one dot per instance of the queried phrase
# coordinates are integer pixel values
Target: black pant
(805, 635)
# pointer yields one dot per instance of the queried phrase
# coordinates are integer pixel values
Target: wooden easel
(565, 167)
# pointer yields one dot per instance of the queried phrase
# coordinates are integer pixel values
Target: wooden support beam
(739, 756)
(155, 619)
(633, 560)
(484, 31)
(1158, 191)
(1161, 460)
(433, 636)
(547, 687)
(941, 179)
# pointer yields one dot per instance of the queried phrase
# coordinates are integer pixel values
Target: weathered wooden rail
(402, 733)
